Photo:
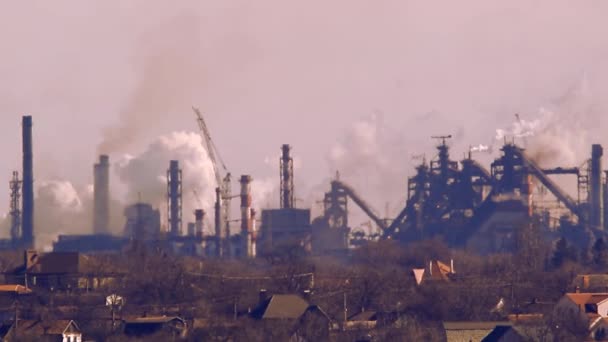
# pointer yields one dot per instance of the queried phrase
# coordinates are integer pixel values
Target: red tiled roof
(19, 289)
(587, 298)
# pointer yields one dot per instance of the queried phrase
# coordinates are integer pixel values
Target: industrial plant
(460, 210)
(480, 209)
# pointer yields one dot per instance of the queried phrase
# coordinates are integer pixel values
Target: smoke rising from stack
(145, 174)
(371, 157)
(558, 134)
(168, 72)
(101, 186)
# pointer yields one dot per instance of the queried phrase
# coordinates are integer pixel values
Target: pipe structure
(27, 236)
(246, 216)
(174, 197)
(287, 188)
(218, 223)
(596, 198)
(101, 195)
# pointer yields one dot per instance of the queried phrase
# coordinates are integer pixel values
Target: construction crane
(224, 183)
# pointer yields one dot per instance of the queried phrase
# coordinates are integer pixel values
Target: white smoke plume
(480, 148)
(371, 158)
(265, 193)
(145, 175)
(558, 134)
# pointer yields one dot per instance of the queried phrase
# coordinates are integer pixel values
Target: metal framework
(174, 198)
(286, 170)
(15, 211)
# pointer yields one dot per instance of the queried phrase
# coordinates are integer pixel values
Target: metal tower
(15, 211)
(287, 188)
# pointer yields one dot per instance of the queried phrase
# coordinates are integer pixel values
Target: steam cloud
(370, 158)
(167, 73)
(145, 174)
(559, 132)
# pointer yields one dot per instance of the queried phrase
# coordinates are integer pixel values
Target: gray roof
(281, 307)
(473, 325)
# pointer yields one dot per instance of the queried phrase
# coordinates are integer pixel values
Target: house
(146, 326)
(599, 330)
(523, 328)
(504, 333)
(302, 320)
(60, 271)
(11, 289)
(39, 330)
(286, 306)
(436, 271)
(585, 311)
(584, 305)
(470, 331)
(362, 320)
(591, 282)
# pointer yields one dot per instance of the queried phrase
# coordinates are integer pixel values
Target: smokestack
(101, 195)
(605, 190)
(246, 216)
(199, 216)
(218, 222)
(254, 234)
(174, 197)
(596, 197)
(287, 189)
(27, 237)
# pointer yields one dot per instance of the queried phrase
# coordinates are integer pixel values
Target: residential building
(41, 330)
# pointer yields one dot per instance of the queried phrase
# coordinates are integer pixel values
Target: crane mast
(224, 183)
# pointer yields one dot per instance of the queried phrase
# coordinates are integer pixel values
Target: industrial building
(470, 206)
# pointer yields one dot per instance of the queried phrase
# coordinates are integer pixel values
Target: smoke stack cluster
(596, 216)
(101, 196)
(287, 189)
(27, 237)
(174, 195)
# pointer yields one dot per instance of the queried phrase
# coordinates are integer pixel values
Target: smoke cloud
(558, 134)
(144, 176)
(167, 73)
(371, 157)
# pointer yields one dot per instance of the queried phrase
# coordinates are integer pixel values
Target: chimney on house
(263, 295)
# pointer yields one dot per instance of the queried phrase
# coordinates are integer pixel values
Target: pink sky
(274, 72)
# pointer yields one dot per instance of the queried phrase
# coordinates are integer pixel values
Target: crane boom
(223, 182)
(208, 144)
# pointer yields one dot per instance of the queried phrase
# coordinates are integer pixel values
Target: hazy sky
(273, 72)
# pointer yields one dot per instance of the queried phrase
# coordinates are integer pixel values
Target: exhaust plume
(167, 74)
(145, 175)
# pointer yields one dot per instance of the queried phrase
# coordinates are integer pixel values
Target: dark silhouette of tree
(563, 253)
(599, 253)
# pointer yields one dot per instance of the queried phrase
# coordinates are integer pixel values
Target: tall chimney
(101, 195)
(253, 234)
(27, 237)
(218, 222)
(174, 198)
(246, 216)
(199, 216)
(596, 197)
(287, 190)
(605, 191)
